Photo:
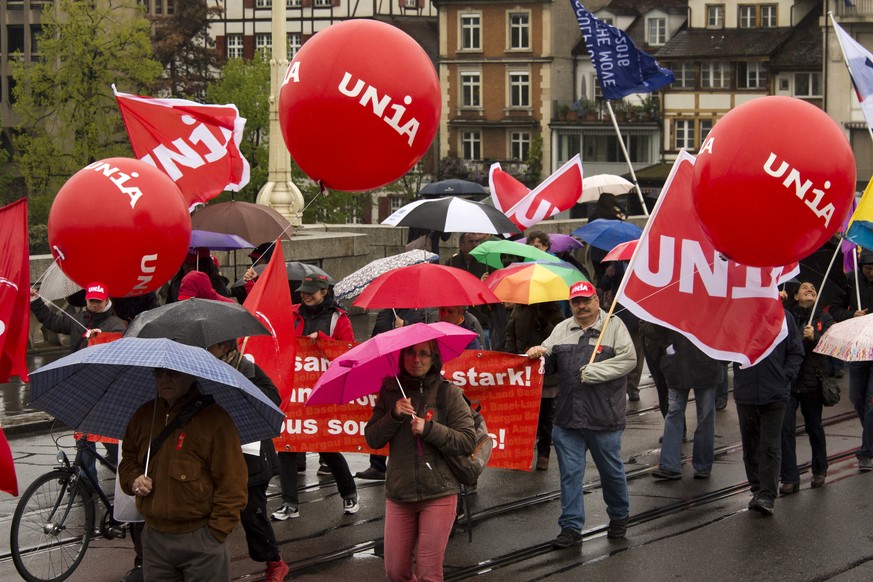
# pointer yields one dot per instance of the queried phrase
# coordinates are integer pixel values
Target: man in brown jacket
(194, 489)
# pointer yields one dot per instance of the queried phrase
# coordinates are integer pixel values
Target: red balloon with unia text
(359, 105)
(773, 181)
(122, 222)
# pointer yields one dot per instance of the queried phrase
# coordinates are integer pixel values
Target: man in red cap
(96, 317)
(590, 408)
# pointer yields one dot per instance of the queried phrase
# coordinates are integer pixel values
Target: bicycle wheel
(51, 527)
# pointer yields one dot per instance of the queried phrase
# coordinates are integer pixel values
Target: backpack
(467, 468)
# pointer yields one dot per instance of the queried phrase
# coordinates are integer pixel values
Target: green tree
(246, 85)
(183, 46)
(67, 113)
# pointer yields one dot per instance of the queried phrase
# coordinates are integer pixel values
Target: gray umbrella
(196, 322)
(295, 271)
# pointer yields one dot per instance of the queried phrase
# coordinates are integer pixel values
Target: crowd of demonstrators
(421, 493)
(806, 393)
(860, 373)
(590, 410)
(196, 487)
(317, 316)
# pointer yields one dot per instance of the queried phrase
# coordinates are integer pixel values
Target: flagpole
(627, 157)
(823, 281)
(846, 62)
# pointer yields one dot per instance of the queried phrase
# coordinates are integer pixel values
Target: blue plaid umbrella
(97, 389)
(605, 234)
(352, 285)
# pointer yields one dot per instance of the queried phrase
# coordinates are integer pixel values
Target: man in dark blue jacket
(761, 393)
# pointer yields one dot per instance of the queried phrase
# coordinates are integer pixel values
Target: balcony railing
(860, 8)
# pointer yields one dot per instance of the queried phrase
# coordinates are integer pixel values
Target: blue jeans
(860, 392)
(674, 430)
(810, 407)
(571, 446)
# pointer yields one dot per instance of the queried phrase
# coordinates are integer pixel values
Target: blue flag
(622, 68)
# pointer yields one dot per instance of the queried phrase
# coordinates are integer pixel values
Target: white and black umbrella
(452, 214)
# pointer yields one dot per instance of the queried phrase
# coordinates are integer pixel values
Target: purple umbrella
(360, 371)
(218, 241)
(563, 242)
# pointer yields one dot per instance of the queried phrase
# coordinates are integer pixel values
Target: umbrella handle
(151, 428)
(399, 385)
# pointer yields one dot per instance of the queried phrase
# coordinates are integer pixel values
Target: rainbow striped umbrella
(537, 282)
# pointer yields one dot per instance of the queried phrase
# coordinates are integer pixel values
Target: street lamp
(279, 192)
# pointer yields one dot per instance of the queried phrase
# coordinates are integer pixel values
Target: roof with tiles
(725, 43)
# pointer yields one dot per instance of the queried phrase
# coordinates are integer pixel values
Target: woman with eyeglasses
(421, 491)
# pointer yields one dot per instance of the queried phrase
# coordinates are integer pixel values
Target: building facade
(503, 66)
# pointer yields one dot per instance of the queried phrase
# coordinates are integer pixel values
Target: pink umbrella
(621, 252)
(361, 370)
(563, 242)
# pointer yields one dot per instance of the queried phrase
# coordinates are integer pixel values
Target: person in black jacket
(685, 368)
(262, 462)
(806, 393)
(761, 395)
(860, 373)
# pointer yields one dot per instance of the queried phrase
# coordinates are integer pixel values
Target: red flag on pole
(8, 479)
(196, 145)
(270, 301)
(14, 291)
(677, 279)
(524, 207)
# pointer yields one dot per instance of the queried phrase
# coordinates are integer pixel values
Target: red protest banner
(508, 388)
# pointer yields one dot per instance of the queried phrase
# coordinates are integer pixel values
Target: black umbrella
(451, 187)
(196, 322)
(295, 271)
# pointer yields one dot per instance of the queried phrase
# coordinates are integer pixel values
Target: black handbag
(830, 392)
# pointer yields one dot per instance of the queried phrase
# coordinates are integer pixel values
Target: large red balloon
(773, 181)
(359, 105)
(122, 222)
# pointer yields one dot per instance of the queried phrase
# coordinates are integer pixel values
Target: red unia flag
(8, 479)
(677, 279)
(270, 302)
(14, 291)
(194, 144)
(524, 207)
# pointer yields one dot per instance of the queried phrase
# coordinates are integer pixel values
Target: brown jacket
(199, 474)
(417, 470)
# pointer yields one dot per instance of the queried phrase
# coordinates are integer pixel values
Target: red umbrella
(424, 285)
(621, 252)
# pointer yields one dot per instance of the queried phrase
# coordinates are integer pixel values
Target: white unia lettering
(118, 178)
(802, 188)
(147, 274)
(378, 105)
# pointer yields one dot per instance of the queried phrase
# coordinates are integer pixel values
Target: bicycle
(54, 520)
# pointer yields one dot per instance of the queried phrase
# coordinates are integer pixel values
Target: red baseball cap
(96, 290)
(582, 289)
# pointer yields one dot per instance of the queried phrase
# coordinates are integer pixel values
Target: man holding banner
(592, 360)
